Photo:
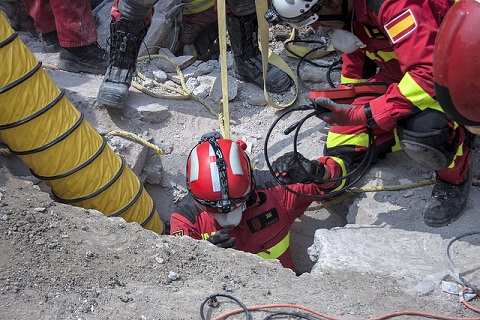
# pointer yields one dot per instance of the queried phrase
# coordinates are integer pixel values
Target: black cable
(365, 163)
(303, 58)
(213, 296)
(285, 313)
(464, 281)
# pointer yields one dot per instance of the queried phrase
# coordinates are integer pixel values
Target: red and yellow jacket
(399, 36)
(265, 225)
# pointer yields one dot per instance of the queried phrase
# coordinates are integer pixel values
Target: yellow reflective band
(344, 172)
(206, 235)
(458, 154)
(197, 6)
(397, 146)
(338, 139)
(387, 55)
(351, 80)
(277, 250)
(413, 92)
(381, 55)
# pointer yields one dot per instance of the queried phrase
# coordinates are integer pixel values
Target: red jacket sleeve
(410, 28)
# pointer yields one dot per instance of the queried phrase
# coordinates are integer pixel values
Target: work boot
(90, 59)
(125, 41)
(50, 42)
(248, 58)
(447, 203)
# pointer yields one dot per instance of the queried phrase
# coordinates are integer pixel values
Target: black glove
(222, 240)
(288, 169)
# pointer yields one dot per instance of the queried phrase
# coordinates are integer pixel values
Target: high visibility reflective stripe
(197, 6)
(351, 80)
(344, 172)
(397, 146)
(277, 250)
(413, 92)
(338, 139)
(382, 55)
(458, 154)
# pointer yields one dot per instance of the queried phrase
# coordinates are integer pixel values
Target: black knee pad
(430, 149)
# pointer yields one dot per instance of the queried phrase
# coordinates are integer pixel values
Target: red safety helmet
(456, 63)
(219, 175)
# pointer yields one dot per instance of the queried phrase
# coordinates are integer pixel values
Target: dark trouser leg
(433, 141)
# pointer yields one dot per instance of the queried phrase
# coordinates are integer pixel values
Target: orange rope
(387, 316)
(278, 305)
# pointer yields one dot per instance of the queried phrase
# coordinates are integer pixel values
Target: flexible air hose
(42, 127)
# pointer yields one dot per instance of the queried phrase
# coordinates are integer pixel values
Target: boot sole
(109, 103)
(71, 66)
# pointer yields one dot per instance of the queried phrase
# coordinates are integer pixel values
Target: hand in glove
(336, 114)
(222, 240)
(288, 169)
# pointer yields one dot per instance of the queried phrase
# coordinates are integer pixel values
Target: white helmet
(297, 13)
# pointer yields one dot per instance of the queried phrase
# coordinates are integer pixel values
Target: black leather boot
(125, 41)
(447, 203)
(91, 59)
(243, 33)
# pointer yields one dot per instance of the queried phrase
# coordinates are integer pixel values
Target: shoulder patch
(177, 233)
(401, 26)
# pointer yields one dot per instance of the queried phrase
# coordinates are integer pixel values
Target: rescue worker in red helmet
(131, 20)
(390, 41)
(233, 206)
(456, 65)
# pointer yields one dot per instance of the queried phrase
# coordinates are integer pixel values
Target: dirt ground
(64, 262)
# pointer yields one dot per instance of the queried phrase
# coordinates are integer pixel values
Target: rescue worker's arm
(295, 168)
(293, 204)
(357, 67)
(183, 222)
(412, 29)
(222, 240)
(188, 219)
(337, 114)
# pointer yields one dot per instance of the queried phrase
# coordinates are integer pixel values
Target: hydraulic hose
(42, 127)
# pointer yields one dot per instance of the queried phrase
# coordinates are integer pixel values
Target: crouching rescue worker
(392, 42)
(233, 206)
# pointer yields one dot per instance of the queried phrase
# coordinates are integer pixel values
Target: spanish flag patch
(401, 26)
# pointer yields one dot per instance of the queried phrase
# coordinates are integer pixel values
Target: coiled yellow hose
(42, 127)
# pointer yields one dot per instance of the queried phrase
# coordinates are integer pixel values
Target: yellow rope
(222, 38)
(354, 191)
(136, 138)
(182, 94)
